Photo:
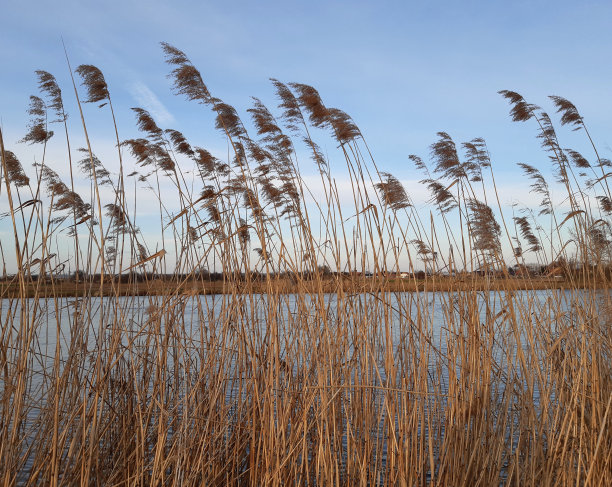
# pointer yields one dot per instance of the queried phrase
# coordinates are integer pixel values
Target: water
(381, 340)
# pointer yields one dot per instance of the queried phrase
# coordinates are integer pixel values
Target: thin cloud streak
(148, 100)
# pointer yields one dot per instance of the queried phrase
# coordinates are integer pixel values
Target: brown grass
(162, 287)
(298, 369)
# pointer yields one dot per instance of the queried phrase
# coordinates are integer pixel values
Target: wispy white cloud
(148, 100)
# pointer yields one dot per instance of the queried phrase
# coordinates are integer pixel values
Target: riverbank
(65, 288)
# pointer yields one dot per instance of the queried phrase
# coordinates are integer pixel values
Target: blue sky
(403, 70)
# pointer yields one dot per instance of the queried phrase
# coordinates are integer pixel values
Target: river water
(359, 335)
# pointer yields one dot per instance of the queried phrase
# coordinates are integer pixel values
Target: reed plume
(521, 111)
(569, 112)
(209, 164)
(118, 219)
(345, 129)
(147, 153)
(243, 232)
(261, 156)
(273, 136)
(422, 248)
(271, 193)
(95, 84)
(63, 197)
(484, 228)
(91, 163)
(266, 124)
(15, 173)
(48, 85)
(228, 120)
(141, 251)
(289, 104)
(317, 155)
(310, 100)
(141, 150)
(239, 158)
(578, 160)
(179, 142)
(441, 196)
(37, 126)
(446, 160)
(477, 158)
(251, 202)
(606, 204)
(550, 143)
(392, 192)
(187, 80)
(145, 123)
(527, 233)
(538, 185)
(418, 162)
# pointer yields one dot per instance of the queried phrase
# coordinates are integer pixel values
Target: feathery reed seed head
(569, 112)
(15, 173)
(187, 79)
(392, 192)
(37, 126)
(145, 123)
(93, 80)
(521, 111)
(48, 85)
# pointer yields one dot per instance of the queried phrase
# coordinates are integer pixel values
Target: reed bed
(306, 369)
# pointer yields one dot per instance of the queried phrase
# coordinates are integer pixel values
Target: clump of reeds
(269, 336)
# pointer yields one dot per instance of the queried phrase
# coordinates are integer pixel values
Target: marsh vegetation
(315, 366)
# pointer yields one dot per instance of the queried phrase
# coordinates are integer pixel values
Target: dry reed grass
(348, 381)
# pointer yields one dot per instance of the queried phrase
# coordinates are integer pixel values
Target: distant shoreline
(62, 288)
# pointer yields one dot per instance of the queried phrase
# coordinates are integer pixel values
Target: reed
(268, 338)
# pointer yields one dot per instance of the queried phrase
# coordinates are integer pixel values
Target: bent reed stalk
(270, 337)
